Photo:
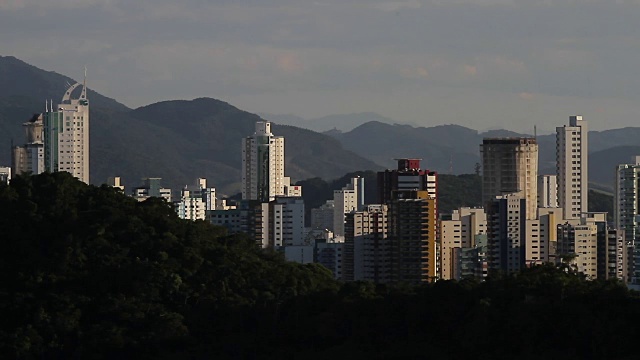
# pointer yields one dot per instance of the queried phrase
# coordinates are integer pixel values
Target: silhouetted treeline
(86, 272)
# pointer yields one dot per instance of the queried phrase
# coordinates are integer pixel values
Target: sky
(484, 64)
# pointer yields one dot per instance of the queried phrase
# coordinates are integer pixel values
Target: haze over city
(484, 64)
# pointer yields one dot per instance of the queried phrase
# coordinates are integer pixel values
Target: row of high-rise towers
(58, 139)
(510, 165)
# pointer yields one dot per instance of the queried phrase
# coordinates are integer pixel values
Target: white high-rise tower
(572, 167)
(263, 165)
(66, 135)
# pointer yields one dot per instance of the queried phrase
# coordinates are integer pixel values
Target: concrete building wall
(412, 234)
(626, 208)
(450, 241)
(572, 167)
(366, 254)
(66, 135)
(547, 191)
(263, 164)
(510, 165)
(345, 201)
(322, 217)
(506, 224)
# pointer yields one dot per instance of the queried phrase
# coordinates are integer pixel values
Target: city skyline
(482, 64)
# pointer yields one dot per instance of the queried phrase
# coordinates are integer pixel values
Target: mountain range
(177, 140)
(336, 122)
(454, 149)
(181, 140)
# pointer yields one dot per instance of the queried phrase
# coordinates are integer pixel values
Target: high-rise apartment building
(66, 135)
(572, 167)
(547, 191)
(411, 196)
(29, 158)
(366, 245)
(592, 247)
(626, 208)
(514, 241)
(407, 176)
(506, 227)
(510, 165)
(412, 234)
(349, 198)
(263, 165)
(459, 232)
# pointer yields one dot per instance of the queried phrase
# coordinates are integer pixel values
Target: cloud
(471, 70)
(526, 96)
(398, 5)
(144, 50)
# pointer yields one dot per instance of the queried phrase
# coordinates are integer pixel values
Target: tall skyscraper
(412, 236)
(263, 165)
(572, 167)
(29, 158)
(411, 196)
(626, 208)
(510, 165)
(66, 134)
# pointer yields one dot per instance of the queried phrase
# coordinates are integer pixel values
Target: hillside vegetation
(86, 272)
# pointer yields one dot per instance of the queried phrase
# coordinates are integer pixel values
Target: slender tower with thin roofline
(66, 134)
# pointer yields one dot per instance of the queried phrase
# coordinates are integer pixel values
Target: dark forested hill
(87, 272)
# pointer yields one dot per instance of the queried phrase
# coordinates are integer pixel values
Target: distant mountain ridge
(180, 140)
(339, 122)
(455, 149)
(177, 140)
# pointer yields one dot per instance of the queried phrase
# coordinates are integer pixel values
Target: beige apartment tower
(572, 167)
(263, 165)
(510, 165)
(66, 134)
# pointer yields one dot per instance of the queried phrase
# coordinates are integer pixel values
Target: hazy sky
(478, 63)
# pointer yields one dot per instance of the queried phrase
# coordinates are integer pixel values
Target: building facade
(547, 191)
(349, 198)
(413, 237)
(5, 174)
(29, 158)
(66, 135)
(572, 167)
(263, 165)
(366, 245)
(459, 232)
(626, 209)
(510, 165)
(152, 187)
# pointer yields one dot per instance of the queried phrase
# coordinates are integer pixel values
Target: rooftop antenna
(46, 106)
(535, 132)
(84, 84)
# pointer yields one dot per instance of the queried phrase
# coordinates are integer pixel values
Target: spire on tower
(84, 85)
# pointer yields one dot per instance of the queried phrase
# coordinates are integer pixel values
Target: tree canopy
(87, 272)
